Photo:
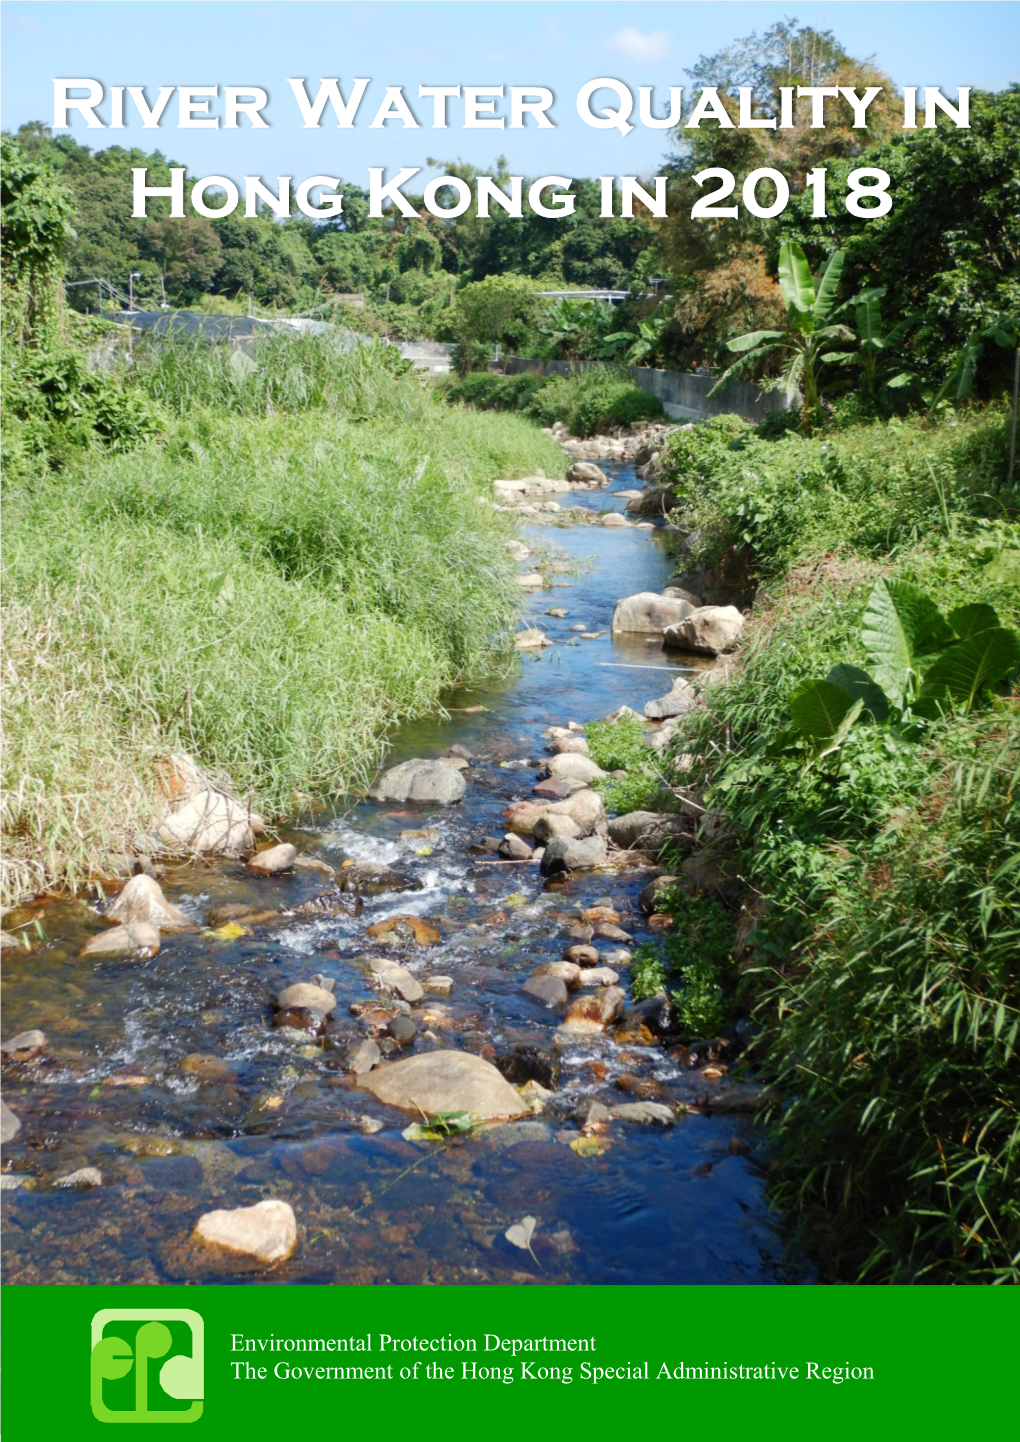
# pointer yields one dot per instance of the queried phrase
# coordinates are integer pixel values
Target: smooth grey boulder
(648, 613)
(424, 781)
(584, 807)
(709, 631)
(585, 473)
(445, 1081)
(548, 826)
(563, 854)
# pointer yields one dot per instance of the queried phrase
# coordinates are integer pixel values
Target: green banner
(258, 1360)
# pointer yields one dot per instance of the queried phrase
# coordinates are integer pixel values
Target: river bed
(279, 1117)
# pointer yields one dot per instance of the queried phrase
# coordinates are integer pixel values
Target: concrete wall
(684, 396)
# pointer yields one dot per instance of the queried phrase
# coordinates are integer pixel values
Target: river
(279, 1117)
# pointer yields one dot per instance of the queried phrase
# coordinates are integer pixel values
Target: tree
(499, 310)
(188, 252)
(36, 226)
(808, 334)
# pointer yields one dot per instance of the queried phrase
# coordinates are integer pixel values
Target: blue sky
(509, 42)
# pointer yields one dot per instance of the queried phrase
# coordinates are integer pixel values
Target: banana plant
(922, 664)
(876, 353)
(810, 331)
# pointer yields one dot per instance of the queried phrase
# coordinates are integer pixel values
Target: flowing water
(281, 1117)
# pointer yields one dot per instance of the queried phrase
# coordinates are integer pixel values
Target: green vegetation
(621, 746)
(587, 402)
(263, 556)
(696, 954)
(873, 821)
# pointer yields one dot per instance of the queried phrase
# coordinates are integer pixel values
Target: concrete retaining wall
(684, 396)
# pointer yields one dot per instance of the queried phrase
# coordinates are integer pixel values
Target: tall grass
(270, 586)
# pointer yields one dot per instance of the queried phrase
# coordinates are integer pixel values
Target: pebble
(266, 1231)
(441, 985)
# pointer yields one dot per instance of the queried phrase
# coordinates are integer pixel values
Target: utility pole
(135, 275)
(1012, 429)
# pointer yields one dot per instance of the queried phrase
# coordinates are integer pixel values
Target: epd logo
(147, 1366)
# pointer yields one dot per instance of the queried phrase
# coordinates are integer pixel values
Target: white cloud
(641, 45)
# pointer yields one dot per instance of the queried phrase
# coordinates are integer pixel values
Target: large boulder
(142, 900)
(267, 1231)
(680, 698)
(210, 822)
(710, 630)
(551, 991)
(563, 854)
(548, 826)
(648, 613)
(586, 473)
(573, 767)
(424, 781)
(445, 1081)
(645, 830)
(584, 807)
(522, 817)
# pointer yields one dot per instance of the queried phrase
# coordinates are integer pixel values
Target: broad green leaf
(795, 279)
(819, 708)
(828, 287)
(903, 629)
(905, 378)
(753, 338)
(968, 621)
(859, 686)
(967, 668)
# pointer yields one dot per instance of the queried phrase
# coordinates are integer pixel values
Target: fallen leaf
(521, 1233)
(590, 1146)
(230, 931)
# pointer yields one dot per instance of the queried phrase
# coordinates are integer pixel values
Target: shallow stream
(276, 1116)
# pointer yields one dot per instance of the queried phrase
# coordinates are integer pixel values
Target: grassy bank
(879, 935)
(301, 558)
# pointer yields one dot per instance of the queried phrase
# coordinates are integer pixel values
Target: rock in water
(391, 976)
(586, 473)
(362, 1056)
(562, 854)
(136, 939)
(267, 1231)
(594, 1013)
(655, 1114)
(24, 1046)
(546, 827)
(273, 860)
(648, 613)
(10, 1125)
(142, 900)
(207, 822)
(445, 1081)
(710, 630)
(305, 997)
(584, 807)
(513, 848)
(424, 781)
(549, 990)
(83, 1178)
(531, 640)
